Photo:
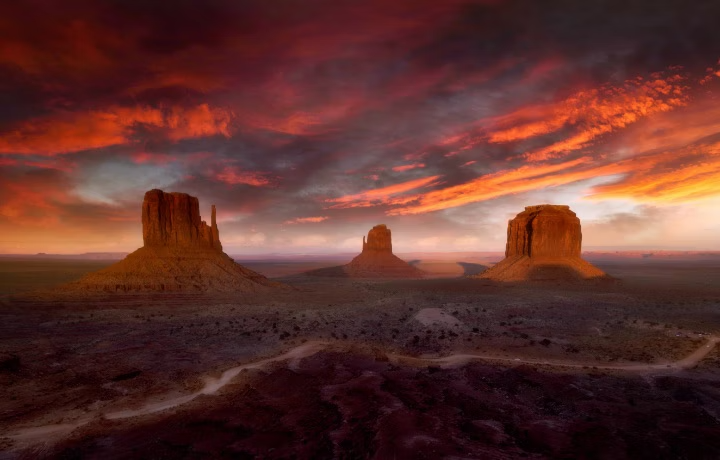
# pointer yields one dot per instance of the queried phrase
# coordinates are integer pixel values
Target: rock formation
(379, 239)
(375, 261)
(180, 253)
(543, 244)
(173, 219)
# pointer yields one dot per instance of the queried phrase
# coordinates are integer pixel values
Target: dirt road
(29, 436)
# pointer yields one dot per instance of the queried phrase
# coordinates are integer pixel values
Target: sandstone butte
(180, 253)
(544, 244)
(375, 261)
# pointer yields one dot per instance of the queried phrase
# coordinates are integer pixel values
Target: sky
(309, 121)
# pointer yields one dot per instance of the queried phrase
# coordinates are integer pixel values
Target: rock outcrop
(544, 244)
(173, 219)
(180, 253)
(375, 261)
(379, 239)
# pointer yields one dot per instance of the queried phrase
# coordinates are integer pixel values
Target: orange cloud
(682, 175)
(380, 195)
(198, 121)
(408, 167)
(306, 220)
(491, 186)
(71, 132)
(234, 176)
(590, 114)
(33, 201)
(673, 176)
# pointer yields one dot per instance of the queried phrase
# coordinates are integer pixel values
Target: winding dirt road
(688, 362)
(26, 437)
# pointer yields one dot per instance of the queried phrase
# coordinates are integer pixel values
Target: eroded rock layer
(544, 244)
(180, 253)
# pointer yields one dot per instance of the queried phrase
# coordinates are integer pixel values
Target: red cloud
(402, 168)
(380, 195)
(591, 113)
(71, 132)
(233, 176)
(490, 186)
(307, 220)
(581, 118)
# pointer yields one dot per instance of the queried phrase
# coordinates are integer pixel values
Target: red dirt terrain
(356, 404)
(567, 371)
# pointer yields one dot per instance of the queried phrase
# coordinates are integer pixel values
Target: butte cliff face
(544, 231)
(544, 244)
(173, 220)
(375, 261)
(379, 239)
(180, 253)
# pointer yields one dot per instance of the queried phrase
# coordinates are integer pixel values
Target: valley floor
(566, 371)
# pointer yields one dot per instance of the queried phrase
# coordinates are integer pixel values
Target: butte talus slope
(375, 261)
(180, 253)
(544, 244)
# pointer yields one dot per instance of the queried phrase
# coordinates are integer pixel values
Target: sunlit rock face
(379, 238)
(544, 231)
(173, 219)
(544, 244)
(180, 253)
(377, 260)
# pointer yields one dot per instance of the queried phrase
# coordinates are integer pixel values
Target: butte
(180, 253)
(375, 261)
(543, 244)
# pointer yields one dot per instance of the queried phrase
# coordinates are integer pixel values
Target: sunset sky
(309, 121)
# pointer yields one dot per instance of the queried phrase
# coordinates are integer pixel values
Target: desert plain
(442, 367)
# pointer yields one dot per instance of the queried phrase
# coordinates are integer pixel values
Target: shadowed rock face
(544, 244)
(173, 219)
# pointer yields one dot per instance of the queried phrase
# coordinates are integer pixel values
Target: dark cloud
(270, 109)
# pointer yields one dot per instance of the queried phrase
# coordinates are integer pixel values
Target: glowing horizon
(441, 119)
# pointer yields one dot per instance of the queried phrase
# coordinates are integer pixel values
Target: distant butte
(544, 244)
(180, 253)
(375, 261)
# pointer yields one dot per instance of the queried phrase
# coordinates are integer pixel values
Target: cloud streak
(416, 113)
(71, 132)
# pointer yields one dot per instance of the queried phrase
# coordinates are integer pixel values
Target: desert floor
(446, 367)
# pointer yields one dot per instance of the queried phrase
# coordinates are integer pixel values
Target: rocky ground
(62, 359)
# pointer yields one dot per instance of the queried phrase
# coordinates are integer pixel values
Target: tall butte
(544, 244)
(180, 253)
(375, 261)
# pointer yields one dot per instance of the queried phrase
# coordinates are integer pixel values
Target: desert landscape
(360, 229)
(311, 364)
